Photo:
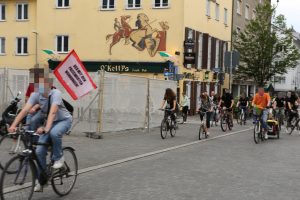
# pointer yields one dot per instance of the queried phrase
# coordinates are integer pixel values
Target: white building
(291, 80)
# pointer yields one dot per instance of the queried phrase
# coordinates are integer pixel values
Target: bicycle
(226, 121)
(202, 128)
(259, 135)
(241, 119)
(20, 184)
(279, 116)
(294, 123)
(10, 145)
(167, 124)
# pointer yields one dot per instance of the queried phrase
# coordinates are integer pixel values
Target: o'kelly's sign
(120, 67)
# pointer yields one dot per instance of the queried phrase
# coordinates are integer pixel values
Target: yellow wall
(11, 28)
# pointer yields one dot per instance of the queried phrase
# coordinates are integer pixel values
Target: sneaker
(39, 188)
(266, 136)
(207, 134)
(59, 163)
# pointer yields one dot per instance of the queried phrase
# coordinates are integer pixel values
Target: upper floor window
(238, 30)
(225, 16)
(2, 12)
(131, 4)
(62, 44)
(22, 11)
(108, 4)
(161, 3)
(2, 45)
(217, 11)
(208, 8)
(63, 3)
(253, 14)
(22, 46)
(238, 6)
(247, 10)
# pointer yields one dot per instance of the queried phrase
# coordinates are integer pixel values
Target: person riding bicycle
(243, 103)
(170, 99)
(262, 101)
(292, 108)
(278, 106)
(185, 103)
(227, 101)
(205, 106)
(58, 121)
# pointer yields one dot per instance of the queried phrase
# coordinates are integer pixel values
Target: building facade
(243, 12)
(291, 80)
(123, 36)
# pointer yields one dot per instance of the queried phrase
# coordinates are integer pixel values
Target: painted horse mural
(144, 36)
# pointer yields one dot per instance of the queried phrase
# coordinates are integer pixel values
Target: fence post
(100, 103)
(148, 105)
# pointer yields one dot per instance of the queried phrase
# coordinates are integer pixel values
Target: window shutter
(205, 51)
(213, 53)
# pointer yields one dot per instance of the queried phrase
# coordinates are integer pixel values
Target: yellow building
(122, 36)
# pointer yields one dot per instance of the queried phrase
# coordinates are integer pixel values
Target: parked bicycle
(242, 116)
(202, 129)
(23, 168)
(226, 121)
(168, 125)
(295, 125)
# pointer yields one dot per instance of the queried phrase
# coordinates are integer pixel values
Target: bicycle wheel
(18, 185)
(229, 124)
(257, 133)
(224, 124)
(239, 118)
(65, 178)
(164, 128)
(173, 129)
(201, 132)
(290, 129)
(10, 145)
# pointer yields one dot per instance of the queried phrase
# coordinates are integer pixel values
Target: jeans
(35, 120)
(264, 118)
(185, 110)
(55, 136)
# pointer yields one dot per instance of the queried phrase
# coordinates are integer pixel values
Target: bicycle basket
(257, 111)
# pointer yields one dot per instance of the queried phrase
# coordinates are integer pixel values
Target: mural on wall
(144, 36)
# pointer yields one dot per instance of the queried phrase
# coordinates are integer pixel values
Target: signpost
(232, 59)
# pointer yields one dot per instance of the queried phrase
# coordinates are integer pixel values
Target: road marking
(129, 159)
(125, 160)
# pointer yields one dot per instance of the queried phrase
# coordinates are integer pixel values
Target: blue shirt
(56, 98)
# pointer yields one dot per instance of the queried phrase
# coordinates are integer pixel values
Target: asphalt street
(231, 167)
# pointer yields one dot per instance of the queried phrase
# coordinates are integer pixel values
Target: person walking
(185, 103)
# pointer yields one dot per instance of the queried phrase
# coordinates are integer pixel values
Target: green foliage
(266, 48)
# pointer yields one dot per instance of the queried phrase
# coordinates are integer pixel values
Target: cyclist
(227, 101)
(205, 105)
(185, 103)
(58, 122)
(292, 107)
(243, 104)
(262, 100)
(278, 106)
(214, 100)
(170, 99)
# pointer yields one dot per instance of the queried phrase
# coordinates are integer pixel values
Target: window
(22, 11)
(161, 3)
(280, 79)
(62, 3)
(225, 16)
(208, 8)
(2, 12)
(200, 49)
(247, 8)
(2, 45)
(217, 53)
(217, 11)
(238, 30)
(108, 4)
(238, 6)
(253, 14)
(133, 4)
(22, 46)
(62, 44)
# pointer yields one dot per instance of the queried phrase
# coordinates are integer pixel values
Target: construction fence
(119, 103)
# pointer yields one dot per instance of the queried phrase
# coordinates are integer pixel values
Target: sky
(291, 10)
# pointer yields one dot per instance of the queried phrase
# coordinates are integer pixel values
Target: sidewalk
(120, 145)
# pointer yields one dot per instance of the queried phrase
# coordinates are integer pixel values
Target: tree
(266, 47)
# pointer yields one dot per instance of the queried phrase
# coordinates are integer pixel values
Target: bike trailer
(274, 125)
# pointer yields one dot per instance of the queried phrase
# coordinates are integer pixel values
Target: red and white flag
(72, 74)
